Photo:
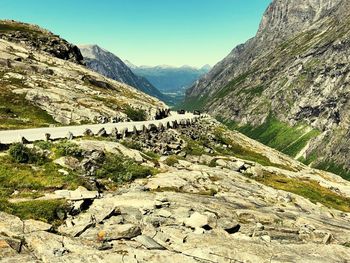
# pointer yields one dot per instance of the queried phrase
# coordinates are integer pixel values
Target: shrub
(135, 114)
(194, 148)
(152, 155)
(121, 169)
(44, 145)
(66, 148)
(132, 144)
(22, 154)
(171, 160)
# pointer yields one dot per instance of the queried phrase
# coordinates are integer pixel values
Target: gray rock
(149, 242)
(196, 220)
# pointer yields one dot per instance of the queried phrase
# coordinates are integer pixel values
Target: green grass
(121, 169)
(193, 103)
(194, 147)
(151, 155)
(332, 167)
(278, 135)
(18, 113)
(133, 144)
(22, 154)
(44, 210)
(32, 180)
(242, 152)
(171, 160)
(27, 177)
(312, 157)
(135, 114)
(66, 148)
(308, 189)
(232, 84)
(254, 91)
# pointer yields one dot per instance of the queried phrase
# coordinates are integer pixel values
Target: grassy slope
(278, 135)
(306, 188)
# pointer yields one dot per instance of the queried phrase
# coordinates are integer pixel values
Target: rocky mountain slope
(200, 193)
(109, 65)
(42, 83)
(288, 86)
(171, 81)
(36, 38)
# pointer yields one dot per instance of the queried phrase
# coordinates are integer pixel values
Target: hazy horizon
(148, 33)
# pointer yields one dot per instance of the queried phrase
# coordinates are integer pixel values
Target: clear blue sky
(147, 32)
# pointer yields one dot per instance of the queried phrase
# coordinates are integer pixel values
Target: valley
(97, 166)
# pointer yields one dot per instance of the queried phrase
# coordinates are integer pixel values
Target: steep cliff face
(38, 39)
(282, 20)
(109, 65)
(295, 72)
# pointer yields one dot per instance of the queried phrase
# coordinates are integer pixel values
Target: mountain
(39, 39)
(43, 82)
(188, 188)
(288, 86)
(109, 65)
(172, 81)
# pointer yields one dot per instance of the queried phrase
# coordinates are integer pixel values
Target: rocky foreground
(209, 207)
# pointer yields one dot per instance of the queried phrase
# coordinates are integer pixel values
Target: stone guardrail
(121, 129)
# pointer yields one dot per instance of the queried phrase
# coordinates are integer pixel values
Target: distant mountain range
(111, 66)
(172, 81)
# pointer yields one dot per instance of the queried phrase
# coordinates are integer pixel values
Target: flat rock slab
(112, 232)
(149, 242)
(81, 193)
(10, 225)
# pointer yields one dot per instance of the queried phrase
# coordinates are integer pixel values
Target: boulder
(34, 226)
(196, 220)
(10, 225)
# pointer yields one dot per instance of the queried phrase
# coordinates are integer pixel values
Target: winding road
(38, 134)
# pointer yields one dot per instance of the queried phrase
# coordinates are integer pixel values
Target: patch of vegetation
(18, 113)
(332, 167)
(254, 91)
(29, 174)
(194, 147)
(135, 114)
(278, 135)
(229, 87)
(241, 152)
(213, 163)
(67, 148)
(312, 157)
(193, 103)
(152, 155)
(44, 145)
(208, 192)
(8, 27)
(121, 169)
(171, 160)
(27, 177)
(308, 189)
(132, 144)
(44, 210)
(22, 154)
